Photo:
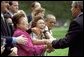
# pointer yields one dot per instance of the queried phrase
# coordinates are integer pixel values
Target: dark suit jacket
(73, 39)
(6, 33)
(29, 18)
(8, 45)
(5, 29)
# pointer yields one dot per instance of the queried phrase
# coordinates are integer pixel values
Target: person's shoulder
(18, 32)
(79, 19)
(36, 30)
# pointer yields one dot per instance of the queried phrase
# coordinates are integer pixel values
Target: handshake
(49, 47)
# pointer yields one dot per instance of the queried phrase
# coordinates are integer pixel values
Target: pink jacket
(29, 49)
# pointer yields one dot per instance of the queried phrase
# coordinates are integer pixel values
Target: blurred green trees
(61, 9)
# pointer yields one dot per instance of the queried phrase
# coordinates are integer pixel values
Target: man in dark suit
(74, 37)
(6, 33)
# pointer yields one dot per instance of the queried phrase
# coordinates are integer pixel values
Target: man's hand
(49, 42)
(50, 50)
(21, 40)
(14, 52)
(2, 49)
(9, 20)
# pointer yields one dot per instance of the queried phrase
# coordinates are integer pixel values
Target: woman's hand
(21, 40)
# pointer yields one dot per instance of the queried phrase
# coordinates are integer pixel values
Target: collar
(80, 14)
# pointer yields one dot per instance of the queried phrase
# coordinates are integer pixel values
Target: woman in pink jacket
(29, 49)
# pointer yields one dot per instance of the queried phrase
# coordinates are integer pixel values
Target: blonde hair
(33, 5)
(49, 16)
(38, 10)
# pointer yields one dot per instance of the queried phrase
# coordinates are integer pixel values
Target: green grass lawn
(59, 32)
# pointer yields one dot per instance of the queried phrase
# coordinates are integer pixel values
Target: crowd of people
(31, 35)
(25, 35)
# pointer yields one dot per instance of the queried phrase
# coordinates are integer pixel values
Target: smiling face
(23, 23)
(40, 24)
(50, 21)
(20, 21)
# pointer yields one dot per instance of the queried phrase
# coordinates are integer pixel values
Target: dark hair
(35, 21)
(16, 18)
(81, 10)
(10, 3)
